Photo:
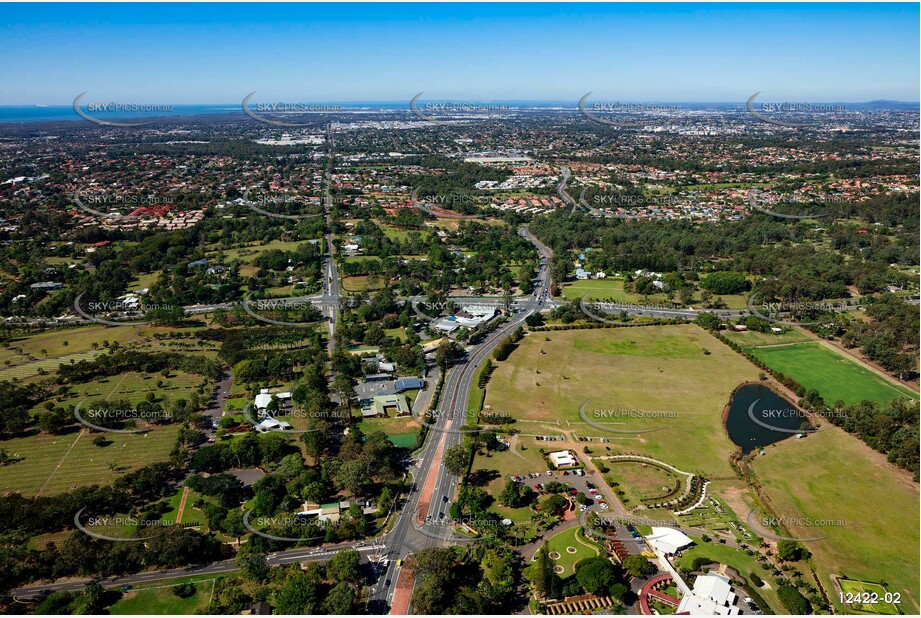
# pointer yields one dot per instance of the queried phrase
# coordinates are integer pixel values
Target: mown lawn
(572, 538)
(60, 463)
(835, 376)
(612, 287)
(858, 589)
(402, 431)
(498, 466)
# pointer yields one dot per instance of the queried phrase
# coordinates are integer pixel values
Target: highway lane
(331, 283)
(561, 189)
(405, 538)
(453, 406)
(215, 568)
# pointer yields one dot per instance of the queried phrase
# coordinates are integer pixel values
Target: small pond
(758, 416)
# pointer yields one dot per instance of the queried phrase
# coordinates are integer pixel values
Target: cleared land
(161, 600)
(402, 431)
(833, 375)
(834, 476)
(612, 287)
(754, 339)
(662, 375)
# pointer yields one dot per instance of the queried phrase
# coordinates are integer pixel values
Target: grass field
(59, 463)
(146, 280)
(651, 370)
(644, 482)
(881, 606)
(132, 386)
(398, 333)
(395, 233)
(250, 253)
(51, 348)
(575, 539)
(44, 352)
(754, 339)
(834, 476)
(161, 600)
(360, 283)
(832, 374)
(612, 287)
(50, 464)
(401, 431)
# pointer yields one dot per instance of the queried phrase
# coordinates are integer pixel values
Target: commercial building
(669, 540)
(563, 459)
(712, 595)
(384, 405)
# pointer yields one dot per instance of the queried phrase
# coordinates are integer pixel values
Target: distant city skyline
(195, 54)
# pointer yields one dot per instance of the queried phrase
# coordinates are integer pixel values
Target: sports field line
(886, 378)
(73, 444)
(60, 463)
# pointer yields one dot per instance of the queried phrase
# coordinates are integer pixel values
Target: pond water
(758, 416)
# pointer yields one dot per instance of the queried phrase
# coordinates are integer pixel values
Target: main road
(415, 526)
(421, 523)
(330, 273)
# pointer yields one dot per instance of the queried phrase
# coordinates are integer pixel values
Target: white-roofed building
(270, 424)
(712, 595)
(263, 400)
(562, 459)
(668, 540)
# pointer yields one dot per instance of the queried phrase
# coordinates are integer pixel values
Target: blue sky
(217, 53)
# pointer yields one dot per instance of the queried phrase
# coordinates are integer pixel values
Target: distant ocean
(57, 113)
(49, 113)
(54, 113)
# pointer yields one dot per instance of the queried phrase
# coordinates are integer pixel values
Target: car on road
(387, 583)
(126, 587)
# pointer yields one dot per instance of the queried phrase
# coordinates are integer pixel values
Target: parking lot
(597, 502)
(579, 480)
